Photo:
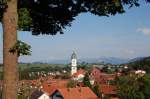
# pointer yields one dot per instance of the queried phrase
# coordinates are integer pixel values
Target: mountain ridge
(111, 60)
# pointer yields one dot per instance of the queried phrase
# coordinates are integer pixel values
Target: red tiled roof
(51, 85)
(96, 72)
(101, 77)
(107, 89)
(34, 82)
(49, 89)
(105, 78)
(77, 93)
(108, 76)
(80, 71)
(28, 82)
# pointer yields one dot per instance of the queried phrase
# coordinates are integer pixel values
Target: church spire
(73, 56)
(73, 63)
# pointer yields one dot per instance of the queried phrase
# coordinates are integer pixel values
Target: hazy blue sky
(126, 36)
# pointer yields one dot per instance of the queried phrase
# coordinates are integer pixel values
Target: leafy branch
(21, 48)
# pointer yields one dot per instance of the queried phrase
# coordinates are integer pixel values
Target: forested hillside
(143, 64)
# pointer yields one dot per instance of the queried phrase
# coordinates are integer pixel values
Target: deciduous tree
(43, 17)
(133, 87)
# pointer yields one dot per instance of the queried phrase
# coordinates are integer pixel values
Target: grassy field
(23, 66)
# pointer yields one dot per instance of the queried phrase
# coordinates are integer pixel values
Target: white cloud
(145, 31)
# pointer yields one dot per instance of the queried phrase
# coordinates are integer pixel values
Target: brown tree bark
(10, 60)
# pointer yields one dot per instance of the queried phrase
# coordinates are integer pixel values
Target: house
(100, 77)
(39, 94)
(44, 96)
(74, 93)
(79, 75)
(142, 72)
(95, 73)
(108, 90)
(50, 86)
(138, 73)
(47, 87)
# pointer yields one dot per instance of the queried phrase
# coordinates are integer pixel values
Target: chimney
(80, 90)
(68, 89)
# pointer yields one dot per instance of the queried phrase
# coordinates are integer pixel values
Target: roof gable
(77, 93)
(36, 94)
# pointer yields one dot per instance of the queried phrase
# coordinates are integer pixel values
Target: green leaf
(21, 48)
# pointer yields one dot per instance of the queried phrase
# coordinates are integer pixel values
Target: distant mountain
(114, 60)
(61, 61)
(111, 60)
(142, 63)
(136, 59)
(142, 60)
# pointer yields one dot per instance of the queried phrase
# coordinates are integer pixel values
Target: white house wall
(44, 96)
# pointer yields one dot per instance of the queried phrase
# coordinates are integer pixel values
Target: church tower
(73, 63)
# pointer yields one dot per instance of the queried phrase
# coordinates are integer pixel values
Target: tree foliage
(71, 84)
(86, 81)
(45, 17)
(96, 90)
(133, 87)
(21, 48)
(143, 64)
(52, 16)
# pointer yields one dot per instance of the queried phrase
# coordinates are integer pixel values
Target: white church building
(73, 63)
(77, 75)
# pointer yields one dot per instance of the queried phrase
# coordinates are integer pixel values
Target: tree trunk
(10, 60)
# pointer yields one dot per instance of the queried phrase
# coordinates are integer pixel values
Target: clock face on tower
(74, 62)
(74, 68)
